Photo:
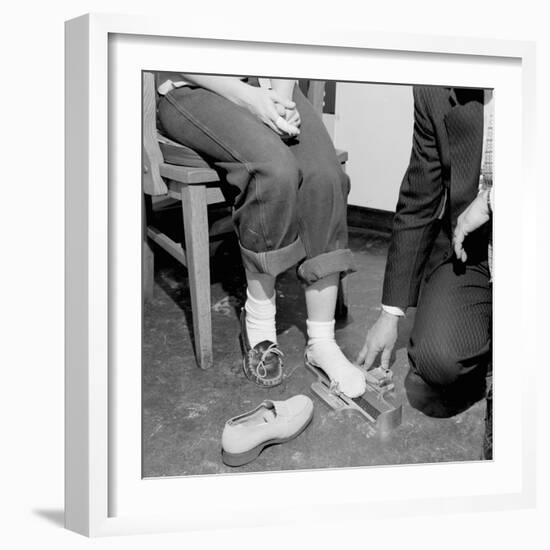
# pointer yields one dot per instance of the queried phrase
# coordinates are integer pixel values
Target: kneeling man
(450, 344)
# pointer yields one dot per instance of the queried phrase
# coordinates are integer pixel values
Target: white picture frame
(104, 491)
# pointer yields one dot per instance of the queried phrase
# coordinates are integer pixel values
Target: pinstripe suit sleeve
(415, 223)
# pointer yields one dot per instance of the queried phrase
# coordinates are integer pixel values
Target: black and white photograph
(259, 288)
(264, 291)
(317, 274)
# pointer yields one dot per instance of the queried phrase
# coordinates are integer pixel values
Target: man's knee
(440, 385)
(434, 363)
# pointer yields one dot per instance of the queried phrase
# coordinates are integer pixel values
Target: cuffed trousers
(289, 197)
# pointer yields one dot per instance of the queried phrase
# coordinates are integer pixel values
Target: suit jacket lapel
(464, 124)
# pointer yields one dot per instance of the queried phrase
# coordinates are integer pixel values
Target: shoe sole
(240, 459)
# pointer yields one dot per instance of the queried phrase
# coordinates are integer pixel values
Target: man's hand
(380, 338)
(473, 217)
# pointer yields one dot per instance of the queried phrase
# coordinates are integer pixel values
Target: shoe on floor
(245, 436)
(263, 363)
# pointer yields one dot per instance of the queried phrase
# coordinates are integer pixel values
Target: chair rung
(166, 243)
(176, 250)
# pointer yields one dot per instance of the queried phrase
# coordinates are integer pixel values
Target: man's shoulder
(433, 102)
(433, 95)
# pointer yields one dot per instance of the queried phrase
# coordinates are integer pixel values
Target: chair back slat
(153, 184)
(316, 95)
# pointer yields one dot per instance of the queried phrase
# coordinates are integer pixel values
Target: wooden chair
(173, 170)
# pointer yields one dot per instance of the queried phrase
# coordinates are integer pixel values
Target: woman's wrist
(241, 94)
(283, 87)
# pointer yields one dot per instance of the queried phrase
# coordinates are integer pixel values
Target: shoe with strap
(263, 363)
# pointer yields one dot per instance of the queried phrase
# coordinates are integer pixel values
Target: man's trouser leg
(450, 344)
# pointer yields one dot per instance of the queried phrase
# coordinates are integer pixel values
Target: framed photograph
(231, 236)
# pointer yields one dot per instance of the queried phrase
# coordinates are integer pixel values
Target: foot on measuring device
(343, 375)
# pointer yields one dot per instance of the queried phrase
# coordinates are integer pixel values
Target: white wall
(373, 123)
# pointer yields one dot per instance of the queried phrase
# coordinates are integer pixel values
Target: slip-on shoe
(245, 436)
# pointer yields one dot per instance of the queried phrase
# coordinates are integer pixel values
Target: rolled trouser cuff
(273, 262)
(323, 265)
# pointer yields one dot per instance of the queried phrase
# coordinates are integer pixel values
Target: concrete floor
(185, 408)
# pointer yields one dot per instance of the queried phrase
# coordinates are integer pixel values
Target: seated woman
(289, 206)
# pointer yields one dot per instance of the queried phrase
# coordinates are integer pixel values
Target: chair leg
(148, 272)
(341, 312)
(148, 257)
(193, 200)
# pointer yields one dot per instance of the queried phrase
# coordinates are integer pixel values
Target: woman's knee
(344, 181)
(279, 178)
(326, 181)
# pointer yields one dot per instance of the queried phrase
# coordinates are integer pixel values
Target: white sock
(260, 319)
(324, 352)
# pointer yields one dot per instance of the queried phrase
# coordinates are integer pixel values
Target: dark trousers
(289, 196)
(450, 343)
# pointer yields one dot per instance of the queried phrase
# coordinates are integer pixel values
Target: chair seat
(180, 155)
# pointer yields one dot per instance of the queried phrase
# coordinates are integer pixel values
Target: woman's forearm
(267, 105)
(230, 87)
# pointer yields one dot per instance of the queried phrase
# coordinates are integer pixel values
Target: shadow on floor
(56, 517)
